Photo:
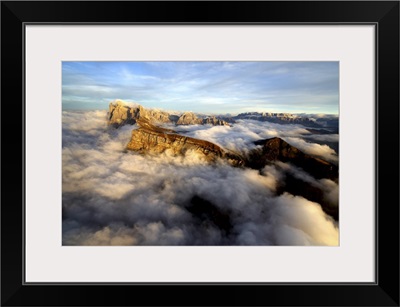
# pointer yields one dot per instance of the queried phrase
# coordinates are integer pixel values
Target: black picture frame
(383, 14)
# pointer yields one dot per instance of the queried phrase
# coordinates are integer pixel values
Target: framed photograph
(242, 153)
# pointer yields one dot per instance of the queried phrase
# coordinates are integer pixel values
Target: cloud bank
(114, 197)
(240, 137)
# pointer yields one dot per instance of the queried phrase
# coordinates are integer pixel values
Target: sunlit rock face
(123, 114)
(120, 113)
(189, 118)
(212, 120)
(156, 140)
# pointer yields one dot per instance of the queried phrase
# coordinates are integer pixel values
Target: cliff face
(155, 140)
(189, 118)
(212, 120)
(122, 114)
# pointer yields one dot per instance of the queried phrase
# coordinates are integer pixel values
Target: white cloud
(314, 149)
(240, 137)
(113, 197)
(303, 221)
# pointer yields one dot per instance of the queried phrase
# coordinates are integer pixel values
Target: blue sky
(204, 87)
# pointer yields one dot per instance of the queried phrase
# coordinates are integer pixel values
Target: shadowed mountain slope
(276, 149)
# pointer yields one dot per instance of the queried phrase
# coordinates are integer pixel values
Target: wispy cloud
(219, 87)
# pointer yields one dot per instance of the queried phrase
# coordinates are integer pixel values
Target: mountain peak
(123, 113)
(189, 118)
(150, 139)
(276, 149)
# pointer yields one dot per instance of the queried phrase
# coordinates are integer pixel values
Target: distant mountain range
(150, 138)
(279, 118)
(121, 113)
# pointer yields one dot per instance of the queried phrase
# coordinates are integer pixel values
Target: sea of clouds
(114, 197)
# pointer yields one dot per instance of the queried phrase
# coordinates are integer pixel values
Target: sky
(204, 87)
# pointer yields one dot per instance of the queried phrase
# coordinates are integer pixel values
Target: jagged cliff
(189, 118)
(123, 114)
(155, 140)
(120, 113)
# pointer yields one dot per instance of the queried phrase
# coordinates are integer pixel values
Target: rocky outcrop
(150, 139)
(189, 118)
(276, 149)
(122, 114)
(212, 120)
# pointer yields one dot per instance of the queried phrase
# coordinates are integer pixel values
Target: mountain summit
(120, 113)
(189, 118)
(150, 139)
(123, 114)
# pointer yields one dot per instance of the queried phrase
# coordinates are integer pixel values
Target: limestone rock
(214, 121)
(150, 139)
(120, 113)
(189, 118)
(123, 114)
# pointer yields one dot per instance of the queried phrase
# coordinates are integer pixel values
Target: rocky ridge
(150, 139)
(189, 118)
(120, 114)
(276, 149)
